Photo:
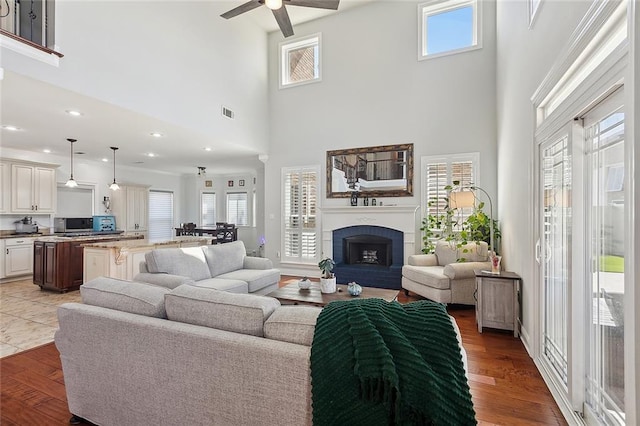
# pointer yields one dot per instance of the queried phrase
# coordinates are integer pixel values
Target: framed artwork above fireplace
(377, 171)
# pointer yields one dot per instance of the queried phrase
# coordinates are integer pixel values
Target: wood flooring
(505, 385)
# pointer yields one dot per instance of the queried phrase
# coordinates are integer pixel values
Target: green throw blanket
(380, 363)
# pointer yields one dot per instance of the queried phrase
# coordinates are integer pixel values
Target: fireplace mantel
(401, 218)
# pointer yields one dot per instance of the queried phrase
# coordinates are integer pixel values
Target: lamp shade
(461, 199)
(273, 4)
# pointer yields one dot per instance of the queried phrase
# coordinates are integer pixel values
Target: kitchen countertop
(57, 239)
(129, 244)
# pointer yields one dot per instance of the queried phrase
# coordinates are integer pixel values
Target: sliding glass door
(605, 251)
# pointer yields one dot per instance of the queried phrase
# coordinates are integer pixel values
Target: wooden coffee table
(291, 294)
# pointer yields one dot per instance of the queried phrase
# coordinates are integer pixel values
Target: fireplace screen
(367, 250)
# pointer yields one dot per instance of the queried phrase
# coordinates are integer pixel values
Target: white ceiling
(38, 109)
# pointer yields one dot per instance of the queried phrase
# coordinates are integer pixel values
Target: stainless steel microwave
(73, 224)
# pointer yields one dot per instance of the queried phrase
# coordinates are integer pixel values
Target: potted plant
(327, 279)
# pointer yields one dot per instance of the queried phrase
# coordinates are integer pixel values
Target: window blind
(237, 208)
(208, 209)
(160, 215)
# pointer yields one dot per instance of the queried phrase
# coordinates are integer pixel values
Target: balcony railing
(29, 21)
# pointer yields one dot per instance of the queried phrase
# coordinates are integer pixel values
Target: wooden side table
(497, 303)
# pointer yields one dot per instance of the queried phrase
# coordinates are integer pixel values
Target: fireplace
(367, 250)
(370, 255)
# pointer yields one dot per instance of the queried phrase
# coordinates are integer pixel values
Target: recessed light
(207, 149)
(151, 154)
(157, 134)
(12, 128)
(46, 151)
(74, 112)
(105, 160)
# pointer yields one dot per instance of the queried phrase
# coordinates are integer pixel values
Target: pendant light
(71, 183)
(114, 186)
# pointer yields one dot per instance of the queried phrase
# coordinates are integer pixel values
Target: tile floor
(28, 315)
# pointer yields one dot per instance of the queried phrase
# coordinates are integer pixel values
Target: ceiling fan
(279, 10)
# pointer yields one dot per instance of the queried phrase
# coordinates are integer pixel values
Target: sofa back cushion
(126, 296)
(223, 258)
(239, 313)
(448, 252)
(187, 262)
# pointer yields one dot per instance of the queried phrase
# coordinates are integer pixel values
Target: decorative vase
(354, 288)
(495, 264)
(304, 284)
(328, 285)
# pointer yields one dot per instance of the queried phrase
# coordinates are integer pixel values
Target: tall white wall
(374, 91)
(524, 57)
(177, 61)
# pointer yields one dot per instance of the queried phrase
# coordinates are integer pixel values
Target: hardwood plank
(45, 385)
(20, 413)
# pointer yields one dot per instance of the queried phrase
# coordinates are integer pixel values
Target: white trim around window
(437, 7)
(288, 47)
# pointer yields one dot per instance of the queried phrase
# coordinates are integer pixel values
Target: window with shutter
(300, 202)
(442, 171)
(160, 215)
(237, 208)
(208, 209)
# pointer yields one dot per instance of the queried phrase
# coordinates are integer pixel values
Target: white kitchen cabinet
(33, 188)
(18, 258)
(5, 187)
(130, 207)
(2, 250)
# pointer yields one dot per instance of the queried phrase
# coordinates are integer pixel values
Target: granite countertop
(129, 244)
(57, 239)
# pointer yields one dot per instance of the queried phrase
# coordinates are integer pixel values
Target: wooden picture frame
(230, 183)
(208, 183)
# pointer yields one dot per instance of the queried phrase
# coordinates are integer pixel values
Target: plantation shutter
(208, 209)
(160, 215)
(442, 171)
(237, 208)
(301, 234)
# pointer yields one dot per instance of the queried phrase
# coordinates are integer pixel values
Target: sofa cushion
(223, 258)
(239, 313)
(293, 324)
(232, 286)
(257, 279)
(432, 276)
(126, 296)
(188, 262)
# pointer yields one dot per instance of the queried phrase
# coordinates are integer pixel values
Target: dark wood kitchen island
(58, 261)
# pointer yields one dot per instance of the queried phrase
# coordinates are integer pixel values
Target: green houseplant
(449, 225)
(327, 279)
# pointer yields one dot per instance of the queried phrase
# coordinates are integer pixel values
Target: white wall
(177, 61)
(374, 91)
(524, 57)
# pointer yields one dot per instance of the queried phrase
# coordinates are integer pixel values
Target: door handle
(538, 251)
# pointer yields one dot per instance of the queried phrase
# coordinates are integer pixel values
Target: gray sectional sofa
(139, 354)
(219, 267)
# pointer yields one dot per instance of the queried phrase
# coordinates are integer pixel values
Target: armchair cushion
(432, 276)
(447, 252)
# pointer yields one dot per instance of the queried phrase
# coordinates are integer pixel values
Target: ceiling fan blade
(250, 5)
(282, 17)
(320, 4)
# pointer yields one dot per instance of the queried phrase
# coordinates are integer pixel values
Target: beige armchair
(443, 276)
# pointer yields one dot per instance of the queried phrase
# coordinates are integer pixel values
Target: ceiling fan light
(273, 4)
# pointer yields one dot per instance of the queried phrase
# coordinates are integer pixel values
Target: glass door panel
(604, 147)
(555, 242)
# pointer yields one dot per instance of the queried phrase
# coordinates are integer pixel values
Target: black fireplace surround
(370, 255)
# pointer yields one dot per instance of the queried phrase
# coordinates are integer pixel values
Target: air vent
(227, 112)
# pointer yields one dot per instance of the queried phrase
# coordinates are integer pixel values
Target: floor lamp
(461, 199)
